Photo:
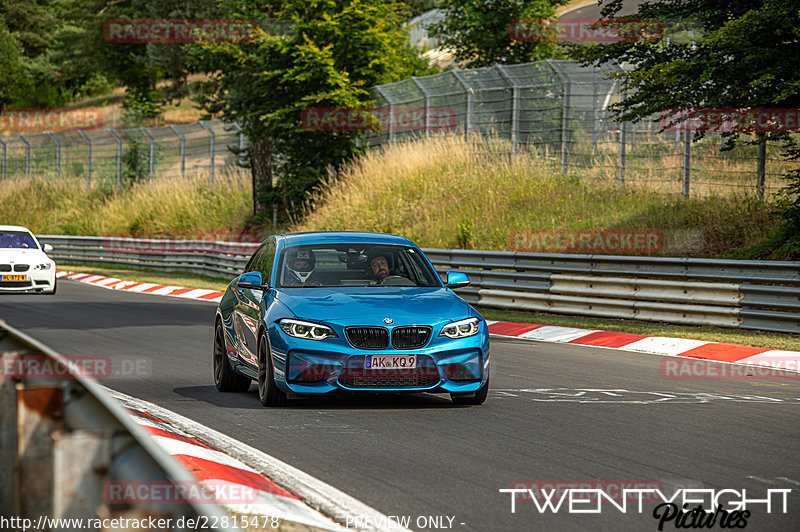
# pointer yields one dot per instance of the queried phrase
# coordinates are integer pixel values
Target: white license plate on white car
(390, 362)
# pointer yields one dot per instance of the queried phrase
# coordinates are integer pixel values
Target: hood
(22, 256)
(363, 302)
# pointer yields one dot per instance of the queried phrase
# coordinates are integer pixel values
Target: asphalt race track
(418, 455)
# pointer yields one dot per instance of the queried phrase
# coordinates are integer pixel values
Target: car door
(247, 314)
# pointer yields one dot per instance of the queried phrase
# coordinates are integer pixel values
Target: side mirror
(457, 280)
(47, 248)
(251, 280)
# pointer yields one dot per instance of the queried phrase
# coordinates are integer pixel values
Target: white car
(24, 267)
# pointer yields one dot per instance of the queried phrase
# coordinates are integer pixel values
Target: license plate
(14, 278)
(390, 362)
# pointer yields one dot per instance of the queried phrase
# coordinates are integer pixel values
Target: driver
(300, 265)
(379, 266)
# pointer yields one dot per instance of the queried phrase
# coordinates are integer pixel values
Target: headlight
(304, 329)
(461, 329)
(43, 266)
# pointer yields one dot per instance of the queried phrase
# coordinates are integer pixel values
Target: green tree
(718, 55)
(480, 31)
(321, 54)
(13, 81)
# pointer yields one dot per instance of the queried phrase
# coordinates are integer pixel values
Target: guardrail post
(27, 155)
(119, 157)
(58, 154)
(761, 167)
(88, 159)
(4, 158)
(81, 463)
(38, 415)
(8, 439)
(183, 149)
(152, 149)
(687, 160)
(210, 132)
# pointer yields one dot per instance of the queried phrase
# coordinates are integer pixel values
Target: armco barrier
(762, 295)
(63, 439)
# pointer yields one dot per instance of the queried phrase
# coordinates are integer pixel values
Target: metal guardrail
(761, 295)
(64, 441)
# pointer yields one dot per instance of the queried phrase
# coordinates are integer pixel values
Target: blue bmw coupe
(315, 313)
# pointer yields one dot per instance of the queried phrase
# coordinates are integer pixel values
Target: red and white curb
(219, 462)
(658, 345)
(112, 283)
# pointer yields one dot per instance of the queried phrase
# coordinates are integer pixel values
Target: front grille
(5, 267)
(21, 267)
(368, 337)
(410, 337)
(14, 284)
(425, 375)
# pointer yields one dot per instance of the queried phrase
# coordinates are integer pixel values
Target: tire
(55, 286)
(224, 377)
(268, 392)
(478, 398)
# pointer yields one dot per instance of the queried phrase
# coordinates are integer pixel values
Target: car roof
(342, 237)
(14, 228)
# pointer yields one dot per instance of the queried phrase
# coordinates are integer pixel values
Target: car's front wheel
(478, 398)
(224, 377)
(268, 392)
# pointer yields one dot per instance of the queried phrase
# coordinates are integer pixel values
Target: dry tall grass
(163, 206)
(446, 192)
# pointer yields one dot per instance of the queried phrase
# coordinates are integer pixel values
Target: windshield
(17, 239)
(354, 265)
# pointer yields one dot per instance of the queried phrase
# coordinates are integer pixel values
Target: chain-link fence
(115, 155)
(560, 110)
(556, 109)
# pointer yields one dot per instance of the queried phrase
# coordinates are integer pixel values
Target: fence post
(470, 95)
(595, 112)
(761, 167)
(58, 154)
(152, 149)
(391, 111)
(621, 163)
(514, 107)
(119, 157)
(183, 149)
(213, 138)
(427, 94)
(4, 158)
(687, 159)
(88, 158)
(27, 155)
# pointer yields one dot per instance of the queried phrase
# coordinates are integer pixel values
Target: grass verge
(710, 334)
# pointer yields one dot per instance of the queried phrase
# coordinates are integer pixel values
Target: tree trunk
(261, 168)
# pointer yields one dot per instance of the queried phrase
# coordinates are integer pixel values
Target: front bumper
(35, 281)
(317, 367)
